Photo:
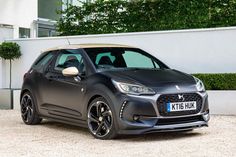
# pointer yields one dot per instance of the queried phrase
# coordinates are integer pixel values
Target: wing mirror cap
(71, 71)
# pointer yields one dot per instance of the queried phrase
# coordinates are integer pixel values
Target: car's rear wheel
(101, 121)
(29, 113)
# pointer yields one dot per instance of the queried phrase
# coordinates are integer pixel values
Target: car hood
(161, 78)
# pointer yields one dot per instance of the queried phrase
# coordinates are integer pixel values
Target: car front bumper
(140, 114)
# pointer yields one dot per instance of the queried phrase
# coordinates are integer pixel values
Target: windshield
(115, 58)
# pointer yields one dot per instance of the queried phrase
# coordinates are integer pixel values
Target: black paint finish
(65, 99)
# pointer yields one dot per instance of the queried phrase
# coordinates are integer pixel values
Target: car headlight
(199, 85)
(133, 89)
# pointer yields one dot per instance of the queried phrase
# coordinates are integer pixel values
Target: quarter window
(44, 60)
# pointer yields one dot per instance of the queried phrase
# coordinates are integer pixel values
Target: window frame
(59, 58)
(40, 58)
(53, 63)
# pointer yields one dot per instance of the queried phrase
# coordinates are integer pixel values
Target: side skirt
(80, 123)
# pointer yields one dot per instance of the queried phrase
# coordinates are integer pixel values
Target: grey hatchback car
(112, 89)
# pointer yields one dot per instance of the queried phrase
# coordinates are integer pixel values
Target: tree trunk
(10, 75)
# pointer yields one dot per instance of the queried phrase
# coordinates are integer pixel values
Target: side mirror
(71, 71)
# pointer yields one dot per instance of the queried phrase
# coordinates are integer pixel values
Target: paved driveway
(59, 140)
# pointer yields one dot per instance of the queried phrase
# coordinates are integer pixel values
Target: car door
(63, 95)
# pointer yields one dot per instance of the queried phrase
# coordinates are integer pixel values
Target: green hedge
(114, 16)
(218, 81)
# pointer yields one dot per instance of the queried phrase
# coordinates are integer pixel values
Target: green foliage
(9, 51)
(114, 16)
(218, 81)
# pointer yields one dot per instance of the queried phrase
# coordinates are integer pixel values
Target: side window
(134, 59)
(43, 61)
(104, 59)
(67, 59)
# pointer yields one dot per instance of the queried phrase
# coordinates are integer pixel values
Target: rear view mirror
(71, 71)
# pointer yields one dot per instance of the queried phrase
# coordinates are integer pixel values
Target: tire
(29, 113)
(101, 119)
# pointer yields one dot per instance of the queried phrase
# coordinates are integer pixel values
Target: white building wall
(1, 73)
(191, 51)
(19, 13)
(5, 74)
(5, 33)
(222, 102)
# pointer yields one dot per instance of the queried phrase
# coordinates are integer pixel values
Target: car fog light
(206, 117)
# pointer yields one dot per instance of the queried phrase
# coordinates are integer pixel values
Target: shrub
(9, 51)
(226, 81)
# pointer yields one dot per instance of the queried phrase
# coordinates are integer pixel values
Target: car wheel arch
(99, 90)
(25, 90)
(93, 98)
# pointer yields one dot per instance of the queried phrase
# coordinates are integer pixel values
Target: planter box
(16, 99)
(221, 101)
(5, 99)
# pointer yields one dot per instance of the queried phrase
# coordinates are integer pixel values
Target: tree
(97, 17)
(10, 51)
(116, 16)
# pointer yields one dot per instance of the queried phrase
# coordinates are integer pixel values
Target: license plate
(181, 106)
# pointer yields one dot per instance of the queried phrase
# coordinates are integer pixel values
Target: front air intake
(166, 98)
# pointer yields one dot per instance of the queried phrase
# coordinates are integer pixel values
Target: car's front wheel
(101, 122)
(29, 113)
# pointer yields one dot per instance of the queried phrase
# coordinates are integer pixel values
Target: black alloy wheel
(100, 119)
(28, 111)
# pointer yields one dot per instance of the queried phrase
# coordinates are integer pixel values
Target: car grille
(170, 121)
(165, 98)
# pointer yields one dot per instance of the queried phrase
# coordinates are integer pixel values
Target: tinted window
(136, 60)
(105, 54)
(112, 58)
(44, 60)
(69, 58)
